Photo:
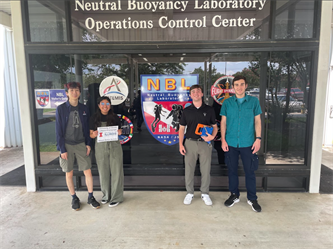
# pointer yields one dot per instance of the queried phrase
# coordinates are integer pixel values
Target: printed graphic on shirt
(115, 88)
(76, 119)
(222, 89)
(163, 99)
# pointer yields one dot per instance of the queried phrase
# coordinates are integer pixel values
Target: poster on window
(49, 98)
(163, 99)
(222, 89)
(42, 97)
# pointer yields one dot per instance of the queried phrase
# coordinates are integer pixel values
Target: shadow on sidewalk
(326, 180)
(15, 177)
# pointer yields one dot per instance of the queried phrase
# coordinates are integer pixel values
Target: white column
(328, 124)
(319, 113)
(23, 92)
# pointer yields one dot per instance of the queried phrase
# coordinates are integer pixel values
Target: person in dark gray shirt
(73, 141)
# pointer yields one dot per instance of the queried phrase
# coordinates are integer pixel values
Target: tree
(214, 76)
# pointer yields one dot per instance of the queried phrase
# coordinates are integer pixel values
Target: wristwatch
(258, 138)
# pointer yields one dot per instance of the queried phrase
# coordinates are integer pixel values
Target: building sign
(115, 88)
(102, 18)
(50, 98)
(222, 89)
(163, 98)
(165, 21)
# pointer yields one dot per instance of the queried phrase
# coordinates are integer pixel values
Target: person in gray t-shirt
(73, 141)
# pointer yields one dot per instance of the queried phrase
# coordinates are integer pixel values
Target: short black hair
(239, 77)
(72, 85)
(195, 87)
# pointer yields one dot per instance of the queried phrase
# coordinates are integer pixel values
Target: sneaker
(231, 200)
(92, 202)
(104, 201)
(206, 199)
(76, 204)
(255, 205)
(188, 199)
(113, 204)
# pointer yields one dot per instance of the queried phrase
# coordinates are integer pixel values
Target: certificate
(107, 133)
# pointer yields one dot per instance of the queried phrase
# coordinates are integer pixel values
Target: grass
(48, 110)
(48, 148)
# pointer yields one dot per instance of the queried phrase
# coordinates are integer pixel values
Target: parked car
(254, 94)
(294, 92)
(294, 104)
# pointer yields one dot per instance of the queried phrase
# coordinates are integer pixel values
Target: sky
(229, 69)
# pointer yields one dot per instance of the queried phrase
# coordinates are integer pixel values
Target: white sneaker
(188, 199)
(206, 199)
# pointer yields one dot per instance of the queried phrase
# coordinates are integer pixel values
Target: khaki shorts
(78, 151)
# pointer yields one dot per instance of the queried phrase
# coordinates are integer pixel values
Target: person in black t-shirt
(195, 116)
(109, 155)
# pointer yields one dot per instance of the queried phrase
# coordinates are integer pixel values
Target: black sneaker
(255, 205)
(231, 200)
(76, 204)
(92, 202)
(113, 204)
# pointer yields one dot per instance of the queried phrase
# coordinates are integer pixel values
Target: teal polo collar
(246, 97)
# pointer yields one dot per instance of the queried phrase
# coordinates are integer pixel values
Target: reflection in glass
(294, 19)
(47, 21)
(286, 107)
(50, 73)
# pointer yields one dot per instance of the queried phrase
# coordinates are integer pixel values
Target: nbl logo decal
(163, 99)
(42, 98)
(115, 88)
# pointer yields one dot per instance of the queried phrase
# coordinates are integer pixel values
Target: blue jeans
(250, 164)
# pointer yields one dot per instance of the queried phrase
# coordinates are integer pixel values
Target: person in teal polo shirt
(240, 136)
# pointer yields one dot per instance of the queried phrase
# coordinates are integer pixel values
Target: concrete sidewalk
(156, 219)
(160, 220)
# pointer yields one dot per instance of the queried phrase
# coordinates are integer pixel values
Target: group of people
(240, 136)
(75, 132)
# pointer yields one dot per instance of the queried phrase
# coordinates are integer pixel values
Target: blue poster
(163, 99)
(57, 96)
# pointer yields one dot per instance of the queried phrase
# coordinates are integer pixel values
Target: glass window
(294, 19)
(222, 69)
(287, 99)
(168, 21)
(47, 21)
(50, 73)
(284, 107)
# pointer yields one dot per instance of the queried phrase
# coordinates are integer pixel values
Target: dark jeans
(250, 164)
